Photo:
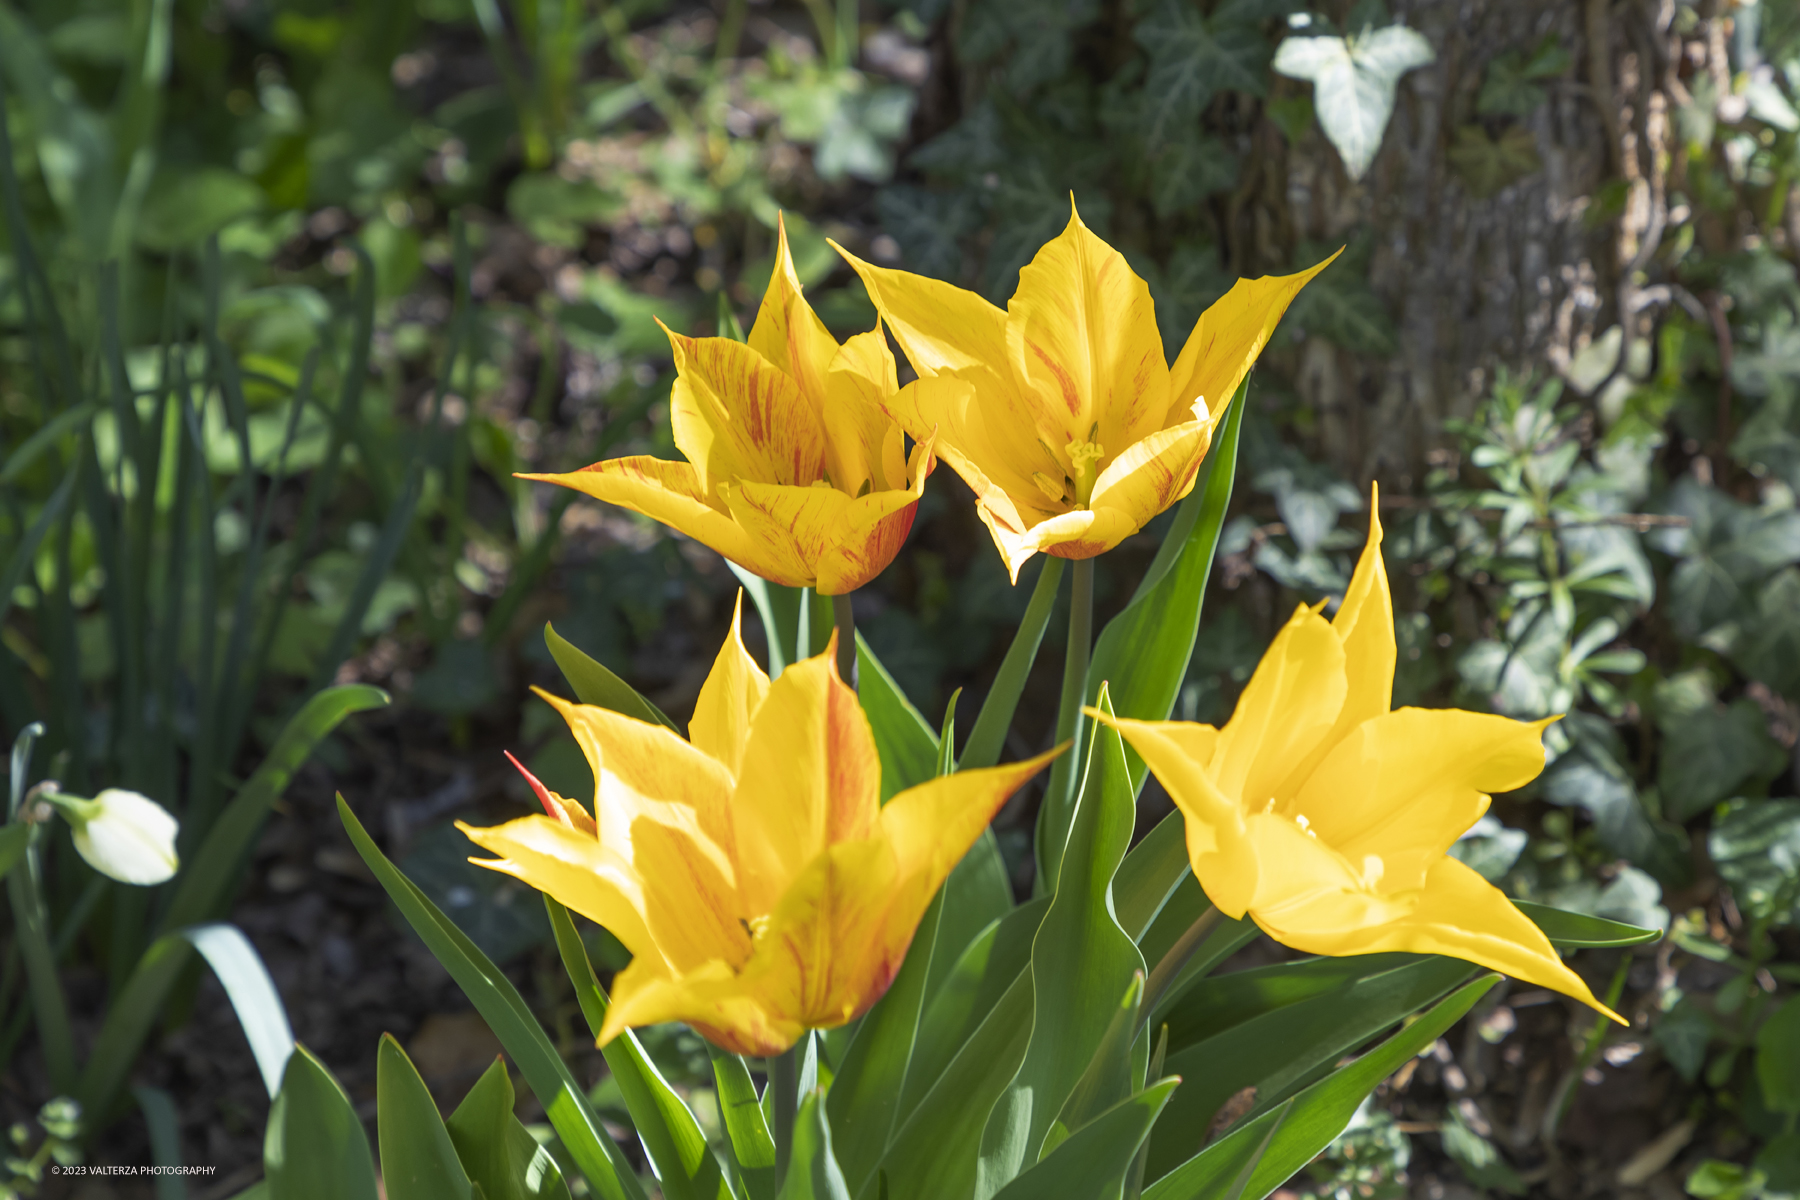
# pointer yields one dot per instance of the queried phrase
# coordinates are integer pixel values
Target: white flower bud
(124, 835)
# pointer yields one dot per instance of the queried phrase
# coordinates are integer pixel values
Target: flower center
(1086, 456)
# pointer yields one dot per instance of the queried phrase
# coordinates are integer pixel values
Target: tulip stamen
(1058, 492)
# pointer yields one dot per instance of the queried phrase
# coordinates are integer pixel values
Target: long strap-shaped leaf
(1093, 1160)
(594, 684)
(418, 1159)
(315, 1148)
(989, 734)
(500, 1005)
(1318, 1114)
(671, 1136)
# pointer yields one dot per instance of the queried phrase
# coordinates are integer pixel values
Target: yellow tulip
(1075, 430)
(793, 471)
(752, 871)
(1327, 817)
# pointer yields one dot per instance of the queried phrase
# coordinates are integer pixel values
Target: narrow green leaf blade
(164, 1125)
(253, 997)
(418, 1159)
(1095, 1158)
(1318, 1115)
(1079, 941)
(593, 684)
(607, 1170)
(907, 746)
(988, 736)
(13, 842)
(1580, 931)
(672, 1137)
(742, 1114)
(498, 1153)
(813, 1172)
(315, 1148)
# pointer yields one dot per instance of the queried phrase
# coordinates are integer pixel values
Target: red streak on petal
(543, 793)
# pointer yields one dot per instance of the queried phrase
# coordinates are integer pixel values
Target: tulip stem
(845, 617)
(1177, 958)
(785, 1079)
(1059, 797)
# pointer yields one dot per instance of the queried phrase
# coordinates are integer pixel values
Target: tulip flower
(760, 884)
(123, 835)
(793, 471)
(1327, 817)
(1076, 431)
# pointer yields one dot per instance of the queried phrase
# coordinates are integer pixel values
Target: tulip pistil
(1086, 456)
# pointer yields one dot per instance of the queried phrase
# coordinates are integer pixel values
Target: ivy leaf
(1191, 59)
(1037, 37)
(1353, 84)
(1510, 87)
(929, 226)
(1756, 847)
(1487, 164)
(1186, 170)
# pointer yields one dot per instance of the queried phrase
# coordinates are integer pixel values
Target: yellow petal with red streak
(787, 332)
(1081, 331)
(593, 878)
(733, 691)
(737, 416)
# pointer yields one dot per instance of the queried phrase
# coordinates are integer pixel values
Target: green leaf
(210, 873)
(1277, 1028)
(139, 1006)
(672, 1138)
(744, 1123)
(1488, 163)
(813, 1172)
(315, 1148)
(14, 839)
(1185, 906)
(1185, 170)
(499, 1154)
(1712, 753)
(252, 994)
(1109, 1075)
(593, 684)
(1317, 1116)
(183, 208)
(163, 1123)
(1191, 59)
(418, 1160)
(1079, 940)
(500, 1005)
(1577, 930)
(936, 1151)
(907, 746)
(1093, 1159)
(1353, 84)
(980, 976)
(1778, 1057)
(1756, 848)
(1510, 86)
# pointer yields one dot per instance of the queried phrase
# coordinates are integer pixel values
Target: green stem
(988, 737)
(784, 1077)
(1059, 796)
(1177, 957)
(845, 618)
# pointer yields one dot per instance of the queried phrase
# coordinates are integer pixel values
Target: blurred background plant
(289, 289)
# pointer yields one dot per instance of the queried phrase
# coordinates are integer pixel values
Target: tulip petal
(594, 878)
(932, 826)
(847, 542)
(714, 1000)
(644, 770)
(1154, 473)
(1081, 332)
(671, 492)
(940, 326)
(690, 906)
(1228, 337)
(1290, 703)
(810, 778)
(1365, 624)
(788, 333)
(1457, 913)
(736, 415)
(1404, 786)
(733, 691)
(1218, 849)
(864, 448)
